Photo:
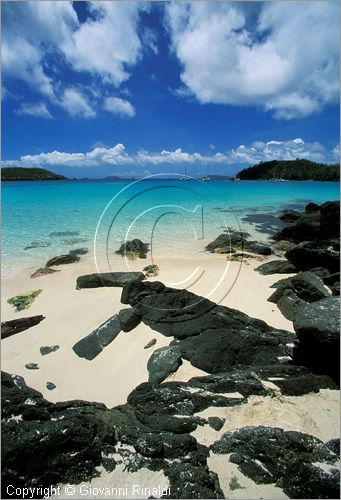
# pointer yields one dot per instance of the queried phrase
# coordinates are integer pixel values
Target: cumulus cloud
(38, 110)
(277, 55)
(76, 104)
(118, 156)
(108, 45)
(39, 38)
(119, 106)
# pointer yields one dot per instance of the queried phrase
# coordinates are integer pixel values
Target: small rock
(150, 344)
(163, 362)
(79, 251)
(32, 366)
(151, 270)
(38, 244)
(62, 259)
(216, 423)
(90, 346)
(133, 249)
(50, 386)
(64, 233)
(47, 349)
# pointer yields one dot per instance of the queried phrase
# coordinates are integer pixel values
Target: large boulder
(315, 254)
(62, 259)
(90, 346)
(330, 219)
(117, 279)
(276, 267)
(230, 240)
(163, 362)
(301, 464)
(213, 338)
(133, 249)
(317, 326)
(307, 227)
(293, 293)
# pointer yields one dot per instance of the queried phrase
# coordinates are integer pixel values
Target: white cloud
(278, 55)
(38, 36)
(34, 109)
(30, 29)
(118, 156)
(108, 45)
(74, 102)
(119, 106)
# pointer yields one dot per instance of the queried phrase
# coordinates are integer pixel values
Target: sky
(91, 89)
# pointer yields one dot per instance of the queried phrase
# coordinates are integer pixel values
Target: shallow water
(175, 218)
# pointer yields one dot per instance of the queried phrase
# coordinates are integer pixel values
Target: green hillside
(29, 174)
(292, 170)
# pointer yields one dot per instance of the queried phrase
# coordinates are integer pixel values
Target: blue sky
(131, 88)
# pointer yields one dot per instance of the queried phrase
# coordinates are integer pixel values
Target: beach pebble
(47, 349)
(32, 366)
(50, 386)
(150, 344)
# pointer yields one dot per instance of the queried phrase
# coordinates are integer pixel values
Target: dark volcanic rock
(62, 259)
(315, 254)
(306, 228)
(293, 293)
(213, 338)
(66, 449)
(97, 280)
(9, 328)
(330, 219)
(48, 349)
(291, 460)
(221, 349)
(129, 318)
(90, 346)
(150, 344)
(223, 243)
(79, 251)
(290, 216)
(134, 249)
(32, 366)
(311, 207)
(226, 243)
(276, 267)
(317, 326)
(163, 362)
(216, 423)
(259, 248)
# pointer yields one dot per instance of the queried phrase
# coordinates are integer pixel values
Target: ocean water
(176, 218)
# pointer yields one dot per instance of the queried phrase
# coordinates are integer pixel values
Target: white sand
(72, 314)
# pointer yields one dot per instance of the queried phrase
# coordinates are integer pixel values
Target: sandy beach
(72, 314)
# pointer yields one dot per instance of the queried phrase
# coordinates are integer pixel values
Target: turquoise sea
(176, 218)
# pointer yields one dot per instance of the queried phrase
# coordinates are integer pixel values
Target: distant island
(291, 170)
(29, 174)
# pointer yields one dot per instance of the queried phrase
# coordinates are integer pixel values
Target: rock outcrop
(317, 326)
(117, 279)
